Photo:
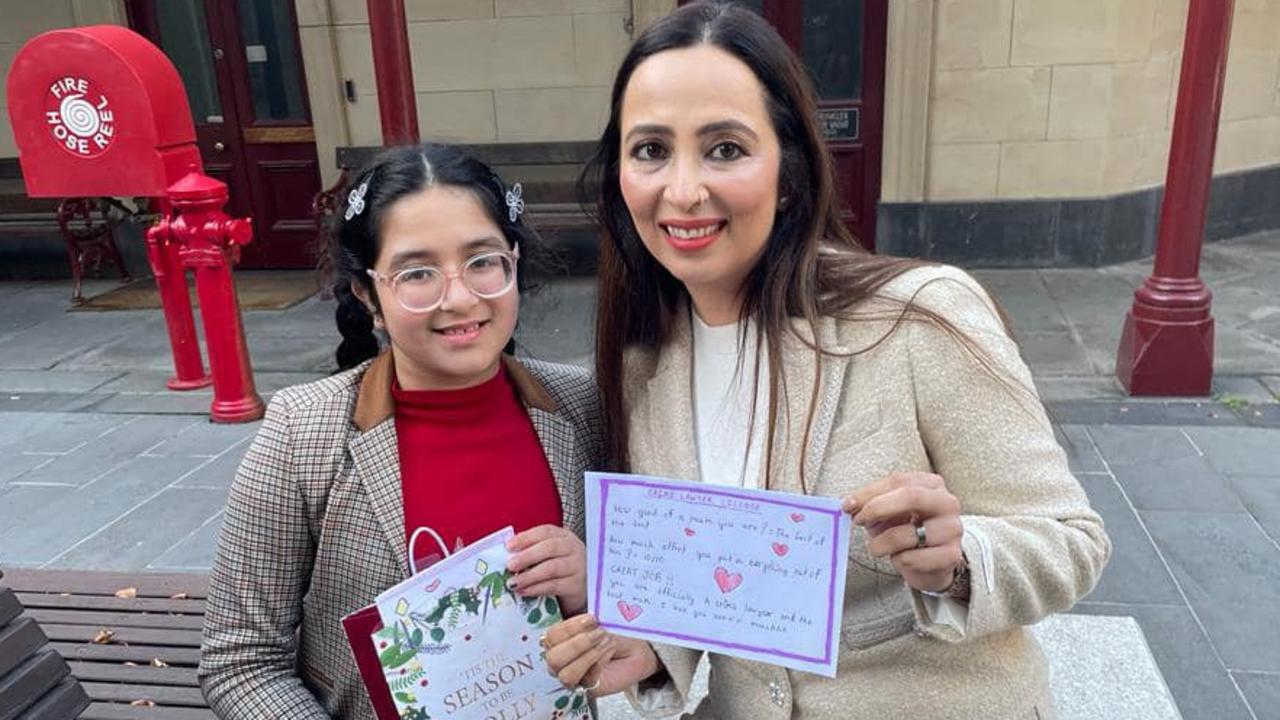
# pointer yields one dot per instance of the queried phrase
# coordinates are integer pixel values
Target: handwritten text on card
(748, 573)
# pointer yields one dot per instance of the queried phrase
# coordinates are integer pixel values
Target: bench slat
(29, 682)
(129, 692)
(64, 701)
(137, 674)
(116, 620)
(158, 585)
(123, 635)
(135, 653)
(19, 640)
(10, 608)
(112, 711)
(110, 602)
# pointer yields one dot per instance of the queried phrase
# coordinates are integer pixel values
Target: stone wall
(500, 71)
(21, 20)
(1075, 98)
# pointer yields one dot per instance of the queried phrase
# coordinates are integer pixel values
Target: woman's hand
(892, 509)
(550, 560)
(580, 653)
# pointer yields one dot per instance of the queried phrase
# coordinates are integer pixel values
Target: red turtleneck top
(470, 464)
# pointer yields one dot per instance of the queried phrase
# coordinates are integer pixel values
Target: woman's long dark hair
(812, 265)
(354, 247)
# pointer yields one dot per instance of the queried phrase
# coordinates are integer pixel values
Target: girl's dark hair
(811, 266)
(355, 245)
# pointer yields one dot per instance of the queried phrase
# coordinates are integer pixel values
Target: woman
(443, 430)
(746, 339)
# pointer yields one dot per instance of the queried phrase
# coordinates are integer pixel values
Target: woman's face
(698, 170)
(459, 343)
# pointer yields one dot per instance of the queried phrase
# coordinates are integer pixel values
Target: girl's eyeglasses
(421, 289)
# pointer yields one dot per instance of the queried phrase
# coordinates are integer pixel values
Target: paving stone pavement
(102, 468)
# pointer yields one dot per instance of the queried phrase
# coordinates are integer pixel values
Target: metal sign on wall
(839, 123)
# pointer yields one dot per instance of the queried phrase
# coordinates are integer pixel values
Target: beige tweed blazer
(915, 402)
(314, 529)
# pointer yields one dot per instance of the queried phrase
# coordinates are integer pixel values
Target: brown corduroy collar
(375, 403)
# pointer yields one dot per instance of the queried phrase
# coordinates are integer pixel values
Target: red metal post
(1167, 344)
(209, 243)
(171, 283)
(393, 70)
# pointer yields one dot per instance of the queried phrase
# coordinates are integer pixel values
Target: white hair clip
(515, 202)
(355, 201)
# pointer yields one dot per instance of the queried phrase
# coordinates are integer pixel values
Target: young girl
(442, 430)
(746, 339)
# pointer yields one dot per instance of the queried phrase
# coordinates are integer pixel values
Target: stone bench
(1100, 668)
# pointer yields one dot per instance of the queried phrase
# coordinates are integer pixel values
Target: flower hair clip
(355, 200)
(515, 202)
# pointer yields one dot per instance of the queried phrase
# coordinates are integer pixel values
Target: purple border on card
(605, 482)
(604, 503)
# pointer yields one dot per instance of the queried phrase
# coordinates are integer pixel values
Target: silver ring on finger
(922, 538)
(584, 689)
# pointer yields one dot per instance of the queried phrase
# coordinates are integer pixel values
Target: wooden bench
(131, 639)
(86, 226)
(548, 173)
(35, 682)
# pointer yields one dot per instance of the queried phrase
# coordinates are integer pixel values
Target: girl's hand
(550, 560)
(892, 509)
(583, 655)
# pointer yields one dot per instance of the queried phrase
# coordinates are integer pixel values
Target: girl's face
(460, 342)
(698, 169)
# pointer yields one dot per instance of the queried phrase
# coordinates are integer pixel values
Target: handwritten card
(750, 573)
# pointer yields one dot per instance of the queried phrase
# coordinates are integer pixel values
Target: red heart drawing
(629, 612)
(797, 517)
(689, 532)
(727, 581)
(432, 587)
(780, 549)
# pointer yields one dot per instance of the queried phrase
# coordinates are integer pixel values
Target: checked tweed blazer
(314, 529)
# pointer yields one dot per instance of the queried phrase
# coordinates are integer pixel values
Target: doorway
(241, 63)
(842, 43)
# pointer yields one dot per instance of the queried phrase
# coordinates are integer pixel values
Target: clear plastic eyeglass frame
(418, 278)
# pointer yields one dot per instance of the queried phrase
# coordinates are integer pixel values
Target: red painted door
(242, 66)
(842, 43)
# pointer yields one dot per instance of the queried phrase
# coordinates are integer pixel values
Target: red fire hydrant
(100, 111)
(171, 283)
(208, 242)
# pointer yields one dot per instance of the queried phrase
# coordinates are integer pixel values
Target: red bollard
(208, 242)
(171, 283)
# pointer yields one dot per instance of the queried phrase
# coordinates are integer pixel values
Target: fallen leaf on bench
(104, 636)
(157, 662)
(129, 592)
(179, 596)
(143, 703)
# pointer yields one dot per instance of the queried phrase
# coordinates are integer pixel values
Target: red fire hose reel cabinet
(100, 111)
